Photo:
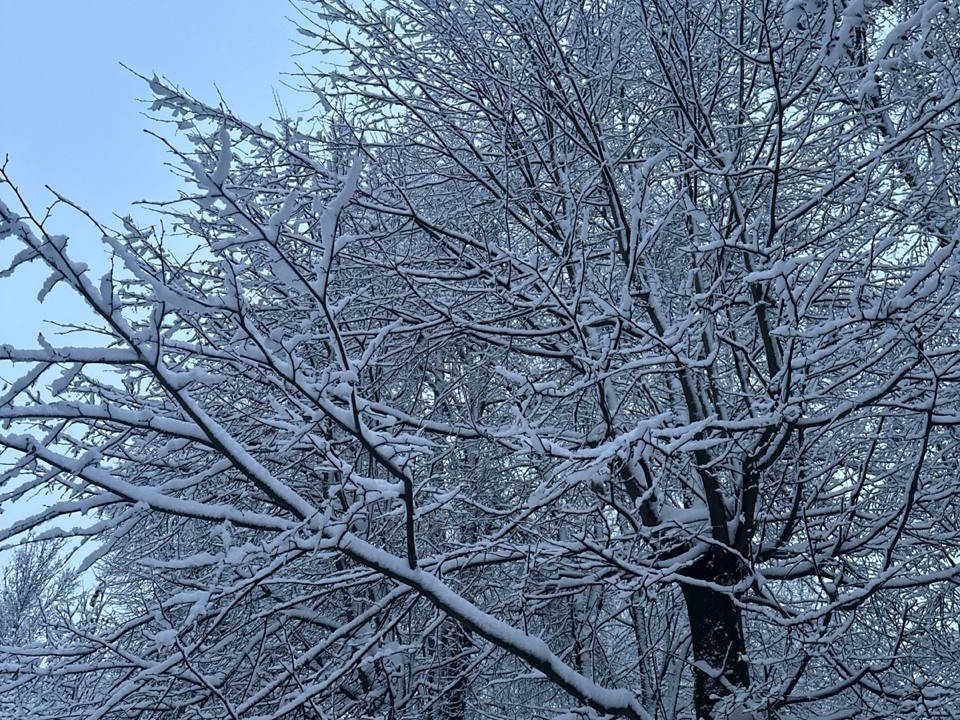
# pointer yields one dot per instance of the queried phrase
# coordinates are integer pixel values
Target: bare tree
(591, 358)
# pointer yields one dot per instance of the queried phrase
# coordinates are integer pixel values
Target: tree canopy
(572, 359)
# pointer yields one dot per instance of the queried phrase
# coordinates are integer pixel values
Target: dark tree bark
(716, 630)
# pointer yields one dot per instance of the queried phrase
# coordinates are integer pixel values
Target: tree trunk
(452, 705)
(716, 631)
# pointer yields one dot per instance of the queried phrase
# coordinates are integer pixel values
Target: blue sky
(73, 118)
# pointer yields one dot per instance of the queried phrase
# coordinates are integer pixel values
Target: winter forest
(570, 360)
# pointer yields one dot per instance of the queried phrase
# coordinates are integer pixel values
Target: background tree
(40, 600)
(581, 357)
(36, 579)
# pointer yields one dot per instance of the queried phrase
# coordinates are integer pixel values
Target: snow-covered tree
(36, 586)
(39, 601)
(576, 359)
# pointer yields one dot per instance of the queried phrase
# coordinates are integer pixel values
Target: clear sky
(71, 117)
